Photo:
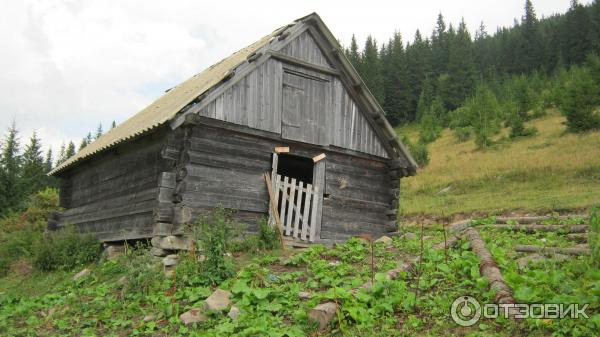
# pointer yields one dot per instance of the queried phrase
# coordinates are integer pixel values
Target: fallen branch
(542, 228)
(489, 268)
(552, 250)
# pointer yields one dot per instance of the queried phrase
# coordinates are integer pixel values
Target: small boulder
(149, 318)
(159, 252)
(386, 240)
(113, 251)
(218, 301)
(322, 314)
(170, 260)
(526, 260)
(193, 316)
(82, 274)
(234, 313)
(303, 295)
(409, 236)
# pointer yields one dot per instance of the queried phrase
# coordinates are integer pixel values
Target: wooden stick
(274, 209)
(552, 250)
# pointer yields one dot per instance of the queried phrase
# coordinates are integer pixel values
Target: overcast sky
(66, 66)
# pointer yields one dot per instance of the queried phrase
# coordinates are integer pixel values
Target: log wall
(114, 195)
(225, 167)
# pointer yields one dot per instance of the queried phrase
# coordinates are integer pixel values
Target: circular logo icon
(465, 311)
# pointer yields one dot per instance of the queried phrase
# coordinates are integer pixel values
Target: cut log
(577, 237)
(529, 219)
(488, 267)
(552, 250)
(542, 228)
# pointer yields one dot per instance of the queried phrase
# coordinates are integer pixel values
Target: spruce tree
(10, 164)
(48, 166)
(397, 91)
(439, 46)
(33, 168)
(61, 155)
(483, 113)
(576, 35)
(99, 131)
(530, 49)
(353, 54)
(461, 69)
(70, 151)
(370, 69)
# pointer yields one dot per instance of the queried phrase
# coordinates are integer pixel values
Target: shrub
(143, 274)
(16, 245)
(418, 151)
(65, 249)
(214, 233)
(269, 237)
(482, 112)
(462, 134)
(594, 235)
(580, 100)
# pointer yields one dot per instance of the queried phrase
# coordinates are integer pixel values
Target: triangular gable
(201, 90)
(305, 48)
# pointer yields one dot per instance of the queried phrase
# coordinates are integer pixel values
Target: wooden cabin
(290, 105)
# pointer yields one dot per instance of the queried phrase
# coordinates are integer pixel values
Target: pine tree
(10, 163)
(99, 131)
(370, 69)
(33, 169)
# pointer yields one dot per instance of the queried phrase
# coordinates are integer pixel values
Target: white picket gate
(298, 207)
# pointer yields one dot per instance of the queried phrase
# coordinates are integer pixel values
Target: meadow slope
(552, 170)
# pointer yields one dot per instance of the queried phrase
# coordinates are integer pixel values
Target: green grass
(266, 288)
(552, 170)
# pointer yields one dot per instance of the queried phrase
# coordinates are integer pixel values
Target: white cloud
(65, 66)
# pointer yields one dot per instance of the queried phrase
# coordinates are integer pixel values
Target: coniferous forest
(476, 84)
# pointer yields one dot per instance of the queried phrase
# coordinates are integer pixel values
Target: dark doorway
(295, 167)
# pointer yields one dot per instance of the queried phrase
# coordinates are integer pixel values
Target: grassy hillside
(552, 170)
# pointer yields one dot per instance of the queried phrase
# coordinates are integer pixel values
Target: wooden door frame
(319, 168)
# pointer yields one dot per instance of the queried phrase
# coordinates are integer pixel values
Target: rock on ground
(193, 316)
(114, 250)
(82, 274)
(170, 260)
(322, 314)
(303, 295)
(218, 301)
(386, 240)
(234, 313)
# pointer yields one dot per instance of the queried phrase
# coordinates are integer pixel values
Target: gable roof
(170, 104)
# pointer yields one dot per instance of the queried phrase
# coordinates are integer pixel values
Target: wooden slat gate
(298, 206)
